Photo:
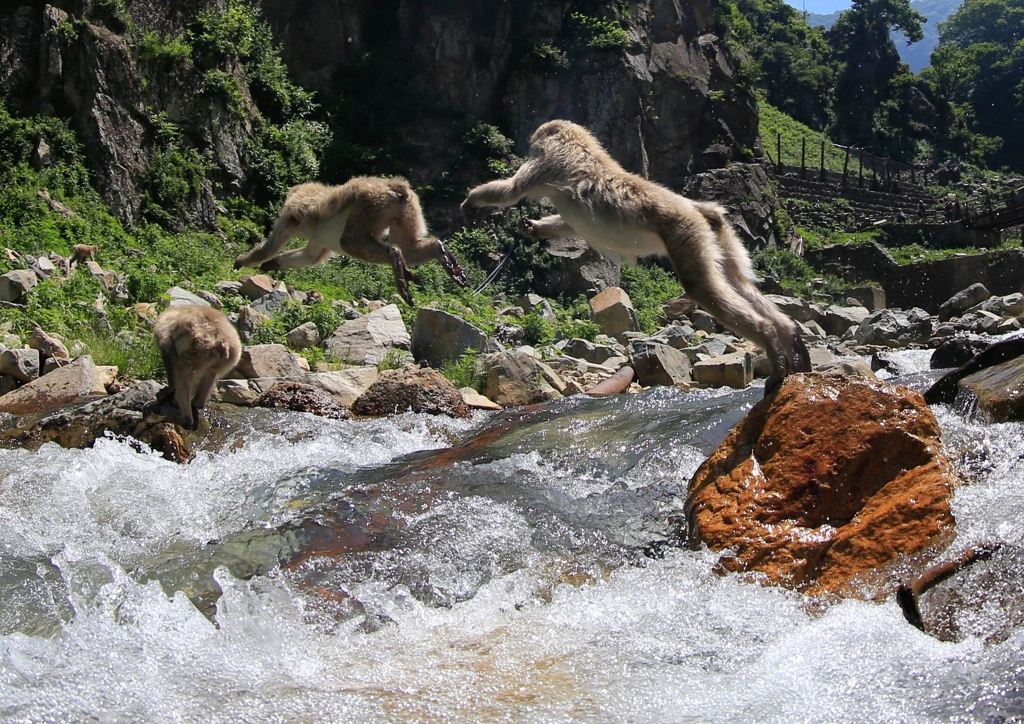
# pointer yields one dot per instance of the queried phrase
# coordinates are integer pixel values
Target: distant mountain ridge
(918, 55)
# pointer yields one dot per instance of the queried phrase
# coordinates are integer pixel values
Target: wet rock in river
(411, 390)
(830, 478)
(301, 398)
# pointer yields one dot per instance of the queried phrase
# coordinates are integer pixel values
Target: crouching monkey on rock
(198, 345)
(625, 217)
(352, 219)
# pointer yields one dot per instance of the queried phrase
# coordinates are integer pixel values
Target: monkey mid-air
(199, 345)
(352, 219)
(625, 217)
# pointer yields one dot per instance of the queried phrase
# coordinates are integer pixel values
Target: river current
(531, 580)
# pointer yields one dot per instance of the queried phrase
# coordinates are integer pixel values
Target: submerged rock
(945, 388)
(131, 413)
(999, 390)
(830, 478)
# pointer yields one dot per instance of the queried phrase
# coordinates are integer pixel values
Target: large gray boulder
(612, 311)
(183, 298)
(732, 370)
(272, 303)
(894, 328)
(963, 300)
(411, 389)
(795, 307)
(836, 319)
(21, 364)
(439, 337)
(586, 350)
(659, 364)
(512, 379)
(747, 195)
(15, 284)
(367, 340)
(267, 360)
(573, 268)
(304, 336)
(74, 382)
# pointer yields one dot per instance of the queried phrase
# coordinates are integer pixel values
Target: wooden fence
(885, 173)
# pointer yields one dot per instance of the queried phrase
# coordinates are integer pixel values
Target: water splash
(508, 597)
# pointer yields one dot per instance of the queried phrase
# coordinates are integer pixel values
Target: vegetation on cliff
(848, 82)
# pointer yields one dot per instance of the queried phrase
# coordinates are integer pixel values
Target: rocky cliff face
(651, 80)
(110, 74)
(661, 92)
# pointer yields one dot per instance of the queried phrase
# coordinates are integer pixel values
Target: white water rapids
(515, 594)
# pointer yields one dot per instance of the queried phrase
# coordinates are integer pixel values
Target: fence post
(846, 165)
(803, 157)
(778, 152)
(821, 166)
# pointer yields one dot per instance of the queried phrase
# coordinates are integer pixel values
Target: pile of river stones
(691, 351)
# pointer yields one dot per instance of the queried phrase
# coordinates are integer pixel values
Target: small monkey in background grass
(352, 219)
(624, 216)
(81, 253)
(198, 345)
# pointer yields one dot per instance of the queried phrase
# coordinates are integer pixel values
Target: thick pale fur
(83, 252)
(352, 219)
(198, 345)
(625, 217)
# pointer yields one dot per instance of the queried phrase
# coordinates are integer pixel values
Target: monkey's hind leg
(450, 264)
(310, 255)
(283, 231)
(711, 289)
(185, 389)
(401, 270)
(169, 357)
(550, 227)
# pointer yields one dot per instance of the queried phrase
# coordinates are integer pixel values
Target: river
(531, 580)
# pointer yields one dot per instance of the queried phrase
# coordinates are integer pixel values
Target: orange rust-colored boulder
(829, 478)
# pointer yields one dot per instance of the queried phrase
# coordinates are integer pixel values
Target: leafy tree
(870, 75)
(791, 58)
(978, 72)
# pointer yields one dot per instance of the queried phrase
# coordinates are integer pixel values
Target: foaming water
(505, 584)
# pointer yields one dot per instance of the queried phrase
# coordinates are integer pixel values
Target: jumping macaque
(83, 252)
(625, 217)
(352, 219)
(198, 345)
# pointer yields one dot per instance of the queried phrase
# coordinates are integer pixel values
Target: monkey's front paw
(239, 261)
(528, 228)
(469, 212)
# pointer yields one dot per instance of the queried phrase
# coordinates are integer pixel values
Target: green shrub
(158, 48)
(465, 371)
(597, 33)
(394, 359)
(536, 329)
(649, 287)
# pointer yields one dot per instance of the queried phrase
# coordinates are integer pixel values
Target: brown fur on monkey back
(595, 176)
(83, 252)
(370, 197)
(201, 334)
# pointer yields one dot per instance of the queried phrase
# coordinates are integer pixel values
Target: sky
(820, 7)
